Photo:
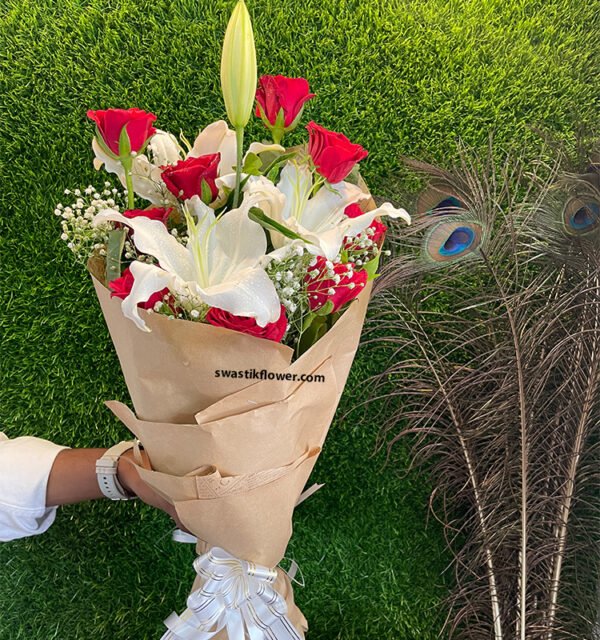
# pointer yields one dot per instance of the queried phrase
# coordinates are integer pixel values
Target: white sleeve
(25, 465)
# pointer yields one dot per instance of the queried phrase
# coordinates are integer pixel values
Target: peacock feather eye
(439, 200)
(453, 239)
(581, 217)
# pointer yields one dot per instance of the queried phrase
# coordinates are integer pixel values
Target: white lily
(319, 219)
(221, 263)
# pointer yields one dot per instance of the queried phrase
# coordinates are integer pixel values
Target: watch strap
(106, 472)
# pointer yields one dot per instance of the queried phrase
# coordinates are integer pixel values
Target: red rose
(345, 290)
(272, 331)
(121, 288)
(184, 179)
(110, 122)
(379, 229)
(156, 213)
(275, 93)
(333, 154)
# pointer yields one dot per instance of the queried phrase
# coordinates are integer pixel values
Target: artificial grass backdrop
(398, 77)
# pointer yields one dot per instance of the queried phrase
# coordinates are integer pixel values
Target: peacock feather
(491, 305)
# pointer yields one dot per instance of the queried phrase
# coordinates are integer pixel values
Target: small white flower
(195, 314)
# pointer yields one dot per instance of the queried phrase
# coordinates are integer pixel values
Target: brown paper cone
(231, 454)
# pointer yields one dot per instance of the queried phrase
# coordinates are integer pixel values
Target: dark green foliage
(397, 77)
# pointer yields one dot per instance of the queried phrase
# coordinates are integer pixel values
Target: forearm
(73, 477)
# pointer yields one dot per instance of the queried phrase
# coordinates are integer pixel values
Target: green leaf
(124, 144)
(114, 251)
(326, 309)
(310, 316)
(272, 170)
(315, 330)
(265, 221)
(371, 266)
(205, 192)
(102, 144)
(252, 165)
(278, 129)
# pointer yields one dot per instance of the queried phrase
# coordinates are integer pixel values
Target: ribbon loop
(236, 595)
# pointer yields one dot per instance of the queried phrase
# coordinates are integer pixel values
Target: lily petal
(239, 244)
(147, 182)
(165, 148)
(259, 147)
(249, 292)
(326, 209)
(148, 279)
(217, 138)
(296, 184)
(356, 225)
(152, 237)
(325, 243)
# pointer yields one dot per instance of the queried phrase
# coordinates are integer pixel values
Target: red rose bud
(121, 288)
(156, 213)
(110, 123)
(322, 288)
(272, 331)
(334, 156)
(277, 93)
(185, 178)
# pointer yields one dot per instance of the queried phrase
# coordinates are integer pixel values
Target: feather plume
(492, 306)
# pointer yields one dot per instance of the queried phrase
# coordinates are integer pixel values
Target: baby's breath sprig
(288, 275)
(361, 249)
(81, 237)
(182, 307)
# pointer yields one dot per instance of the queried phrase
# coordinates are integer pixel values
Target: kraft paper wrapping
(231, 454)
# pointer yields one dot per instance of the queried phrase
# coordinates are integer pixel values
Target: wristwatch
(106, 472)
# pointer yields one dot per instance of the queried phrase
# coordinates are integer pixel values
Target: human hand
(131, 481)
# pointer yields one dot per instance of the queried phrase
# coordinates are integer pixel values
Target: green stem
(239, 137)
(129, 183)
(277, 135)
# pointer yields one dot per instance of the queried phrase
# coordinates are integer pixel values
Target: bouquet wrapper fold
(232, 454)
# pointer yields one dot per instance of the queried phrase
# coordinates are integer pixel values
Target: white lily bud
(238, 67)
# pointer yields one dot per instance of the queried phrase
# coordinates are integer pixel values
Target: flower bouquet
(235, 299)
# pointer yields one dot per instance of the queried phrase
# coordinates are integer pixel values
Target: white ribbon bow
(237, 596)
